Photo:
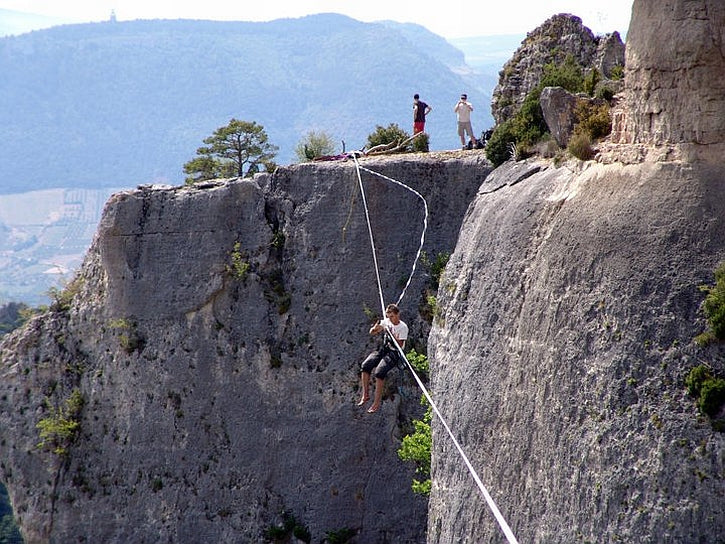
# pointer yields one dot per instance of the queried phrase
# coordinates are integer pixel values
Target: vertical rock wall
(214, 399)
(570, 306)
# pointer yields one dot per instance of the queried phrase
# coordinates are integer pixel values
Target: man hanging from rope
(381, 361)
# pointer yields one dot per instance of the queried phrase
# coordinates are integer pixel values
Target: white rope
(370, 232)
(489, 500)
(422, 234)
(487, 496)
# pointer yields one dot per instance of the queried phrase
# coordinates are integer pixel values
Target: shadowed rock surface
(215, 401)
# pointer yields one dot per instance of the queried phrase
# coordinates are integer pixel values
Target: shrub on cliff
(715, 304)
(314, 144)
(593, 119)
(528, 126)
(416, 447)
(709, 391)
(714, 308)
(580, 145)
(392, 134)
(61, 427)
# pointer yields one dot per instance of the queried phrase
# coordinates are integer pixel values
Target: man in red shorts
(420, 110)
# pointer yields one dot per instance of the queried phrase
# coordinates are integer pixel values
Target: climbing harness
(489, 500)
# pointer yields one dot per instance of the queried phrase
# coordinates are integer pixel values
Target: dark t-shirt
(419, 114)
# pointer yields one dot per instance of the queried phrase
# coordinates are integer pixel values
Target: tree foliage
(315, 144)
(235, 150)
(416, 447)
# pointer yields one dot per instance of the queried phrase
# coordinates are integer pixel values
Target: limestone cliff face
(215, 400)
(570, 307)
(569, 311)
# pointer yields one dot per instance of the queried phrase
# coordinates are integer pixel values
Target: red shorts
(418, 126)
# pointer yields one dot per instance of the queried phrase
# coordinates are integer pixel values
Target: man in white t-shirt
(381, 361)
(463, 111)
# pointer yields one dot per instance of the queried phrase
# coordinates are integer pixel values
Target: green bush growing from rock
(714, 304)
(617, 73)
(712, 396)
(528, 126)
(696, 377)
(580, 145)
(239, 267)
(62, 298)
(315, 144)
(568, 75)
(421, 143)
(416, 447)
(61, 427)
(709, 390)
(419, 362)
(593, 119)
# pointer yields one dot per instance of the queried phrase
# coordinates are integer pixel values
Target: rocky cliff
(559, 38)
(569, 309)
(215, 335)
(674, 90)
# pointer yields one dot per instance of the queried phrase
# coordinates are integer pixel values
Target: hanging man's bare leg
(378, 396)
(364, 387)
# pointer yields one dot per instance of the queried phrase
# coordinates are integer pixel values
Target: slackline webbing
(489, 500)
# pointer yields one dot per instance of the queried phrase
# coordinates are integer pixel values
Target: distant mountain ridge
(123, 103)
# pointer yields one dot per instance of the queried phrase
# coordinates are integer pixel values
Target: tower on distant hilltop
(113, 16)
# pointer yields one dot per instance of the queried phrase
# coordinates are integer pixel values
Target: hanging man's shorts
(380, 362)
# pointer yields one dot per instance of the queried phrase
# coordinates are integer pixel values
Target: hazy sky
(469, 18)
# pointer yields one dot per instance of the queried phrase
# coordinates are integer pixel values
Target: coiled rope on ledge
(489, 500)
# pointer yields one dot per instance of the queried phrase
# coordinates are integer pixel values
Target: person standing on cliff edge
(420, 110)
(463, 110)
(384, 359)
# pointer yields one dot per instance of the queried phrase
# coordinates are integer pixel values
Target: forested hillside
(122, 103)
